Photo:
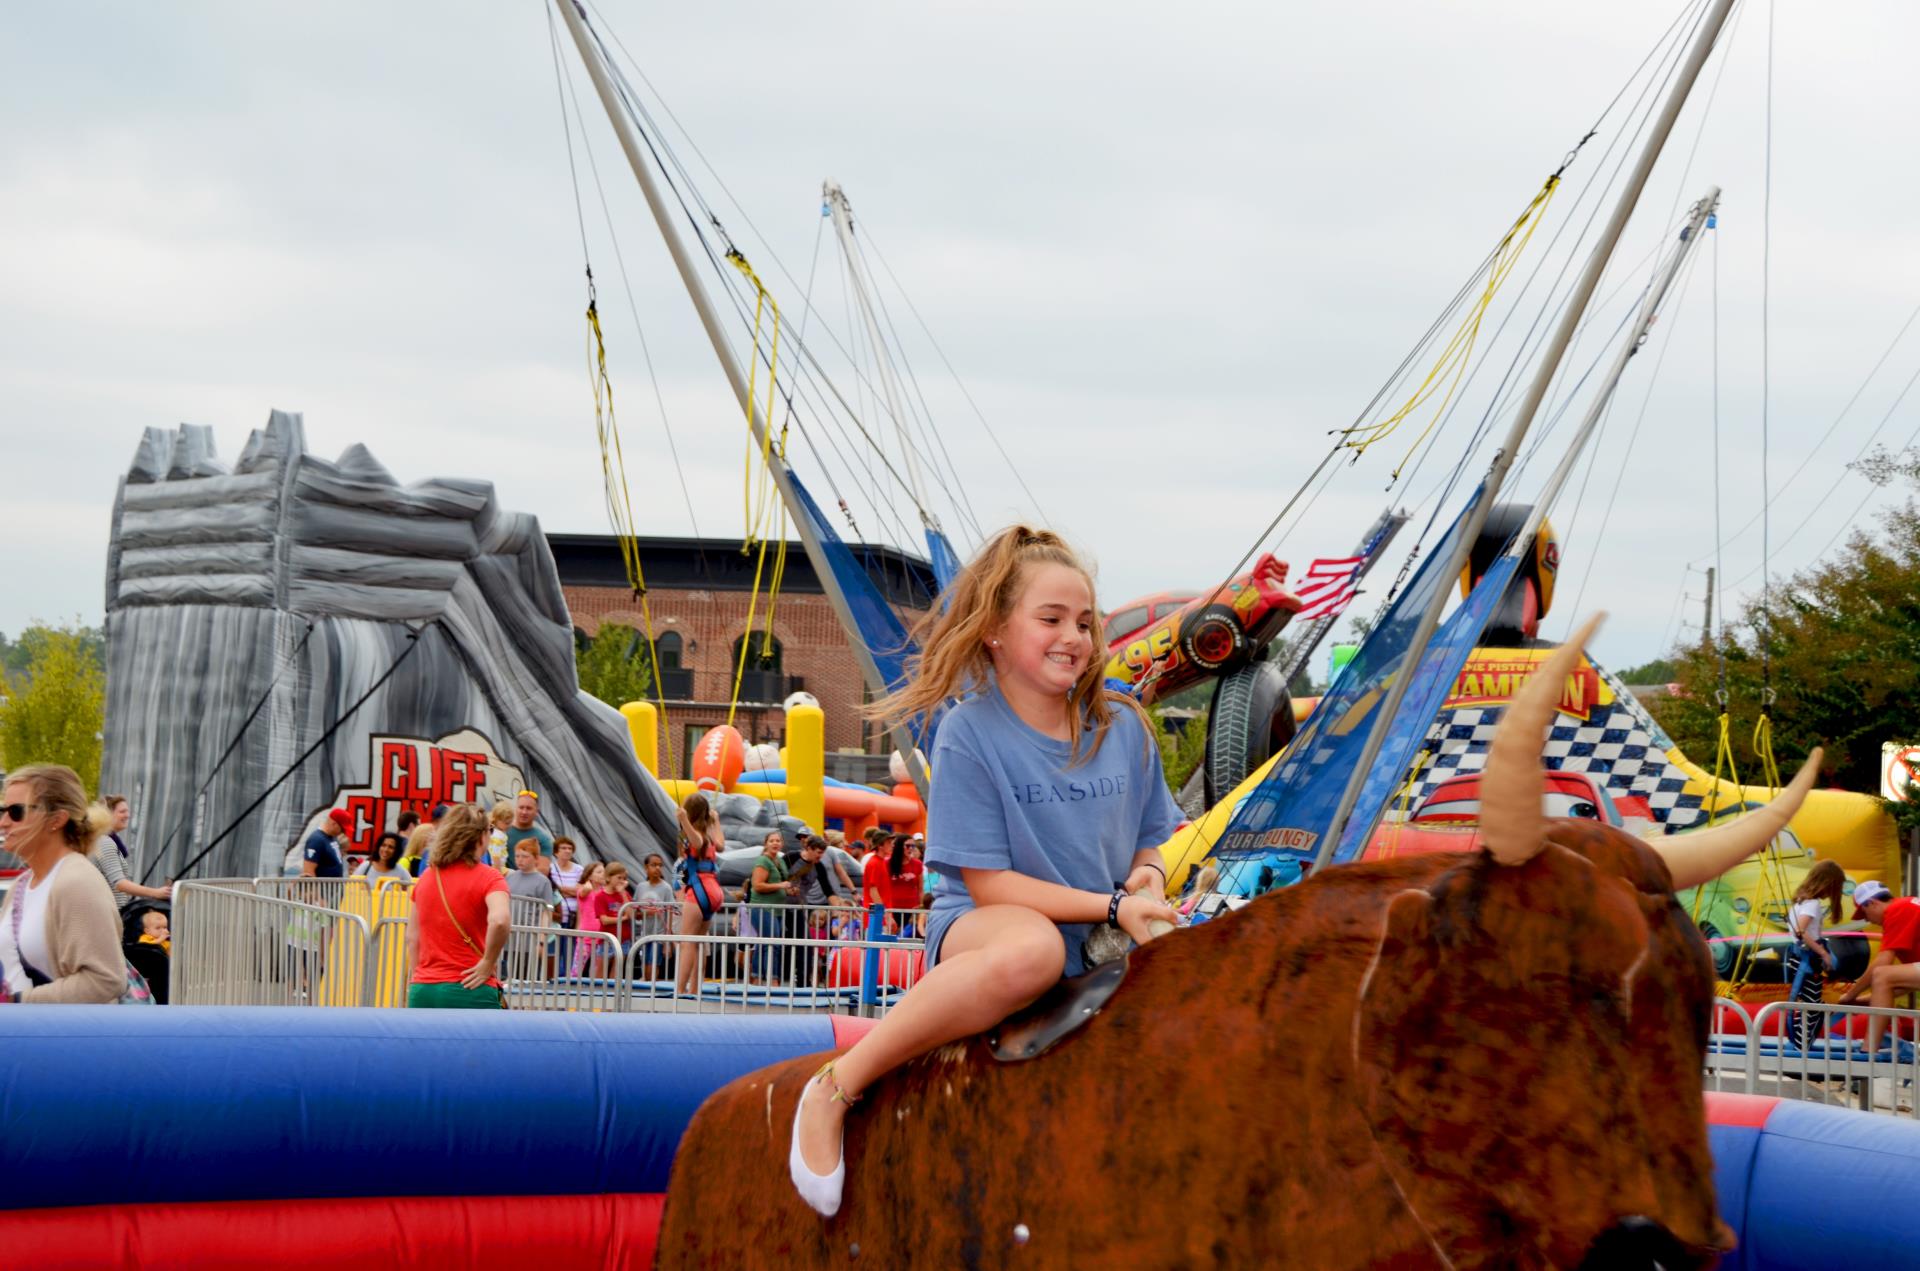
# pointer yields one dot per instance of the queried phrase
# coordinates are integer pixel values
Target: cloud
(1169, 249)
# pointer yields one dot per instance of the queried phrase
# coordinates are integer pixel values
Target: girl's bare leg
(993, 961)
(687, 957)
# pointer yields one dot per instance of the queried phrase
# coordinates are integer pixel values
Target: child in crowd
(591, 882)
(150, 952)
(419, 844)
(607, 904)
(1044, 822)
(876, 879)
(657, 910)
(495, 851)
(1819, 890)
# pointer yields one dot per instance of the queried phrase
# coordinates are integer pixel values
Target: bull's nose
(1641, 1244)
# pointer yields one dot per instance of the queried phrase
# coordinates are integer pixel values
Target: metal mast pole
(842, 213)
(1556, 348)
(710, 320)
(1706, 624)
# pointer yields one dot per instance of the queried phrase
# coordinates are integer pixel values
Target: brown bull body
(1430, 1062)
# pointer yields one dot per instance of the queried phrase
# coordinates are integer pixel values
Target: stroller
(149, 960)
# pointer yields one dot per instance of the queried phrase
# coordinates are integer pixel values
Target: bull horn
(1512, 827)
(1704, 855)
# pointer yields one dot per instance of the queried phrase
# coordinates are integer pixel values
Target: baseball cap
(1868, 892)
(439, 810)
(341, 817)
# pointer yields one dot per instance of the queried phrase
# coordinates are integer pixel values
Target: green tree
(614, 666)
(16, 654)
(56, 701)
(1843, 637)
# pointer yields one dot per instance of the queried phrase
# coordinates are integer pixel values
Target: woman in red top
(460, 919)
(908, 875)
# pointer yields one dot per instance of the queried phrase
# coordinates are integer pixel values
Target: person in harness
(700, 894)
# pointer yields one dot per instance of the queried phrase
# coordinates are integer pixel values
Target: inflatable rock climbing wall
(291, 634)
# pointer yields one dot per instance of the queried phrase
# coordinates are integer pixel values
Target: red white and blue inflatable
(216, 1138)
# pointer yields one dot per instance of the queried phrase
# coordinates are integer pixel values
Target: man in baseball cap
(320, 855)
(1897, 965)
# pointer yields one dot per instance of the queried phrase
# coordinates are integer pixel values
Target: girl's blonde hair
(953, 637)
(1825, 881)
(502, 813)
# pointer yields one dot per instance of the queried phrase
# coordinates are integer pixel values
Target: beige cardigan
(83, 933)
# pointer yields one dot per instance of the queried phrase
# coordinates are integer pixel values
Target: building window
(693, 733)
(667, 646)
(763, 652)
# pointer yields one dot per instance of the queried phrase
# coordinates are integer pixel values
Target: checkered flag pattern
(1618, 745)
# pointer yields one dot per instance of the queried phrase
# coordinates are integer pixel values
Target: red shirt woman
(876, 880)
(907, 885)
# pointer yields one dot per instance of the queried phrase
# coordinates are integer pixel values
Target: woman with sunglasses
(59, 928)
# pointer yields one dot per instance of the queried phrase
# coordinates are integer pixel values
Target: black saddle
(1033, 1031)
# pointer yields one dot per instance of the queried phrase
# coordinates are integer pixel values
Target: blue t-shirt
(1005, 797)
(324, 855)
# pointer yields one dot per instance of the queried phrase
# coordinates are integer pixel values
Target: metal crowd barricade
(1816, 1052)
(1729, 1059)
(537, 970)
(327, 893)
(234, 948)
(770, 974)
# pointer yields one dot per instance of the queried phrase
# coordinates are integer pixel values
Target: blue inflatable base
(108, 1104)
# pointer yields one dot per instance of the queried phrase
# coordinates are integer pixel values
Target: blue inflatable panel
(106, 1105)
(1833, 1188)
(1734, 1148)
(778, 777)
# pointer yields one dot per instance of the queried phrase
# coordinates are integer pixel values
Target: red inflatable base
(467, 1233)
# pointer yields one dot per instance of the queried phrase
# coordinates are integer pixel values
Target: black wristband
(1155, 867)
(1113, 906)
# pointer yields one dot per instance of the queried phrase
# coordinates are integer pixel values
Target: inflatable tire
(1213, 640)
(1250, 720)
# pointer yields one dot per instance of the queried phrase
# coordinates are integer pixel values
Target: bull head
(1540, 1010)
(1513, 829)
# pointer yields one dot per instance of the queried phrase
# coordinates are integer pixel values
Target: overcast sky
(1167, 248)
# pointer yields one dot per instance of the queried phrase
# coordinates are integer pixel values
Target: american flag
(1328, 587)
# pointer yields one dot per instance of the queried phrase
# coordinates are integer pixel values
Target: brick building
(699, 591)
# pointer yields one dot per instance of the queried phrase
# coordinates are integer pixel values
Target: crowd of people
(96, 934)
(819, 887)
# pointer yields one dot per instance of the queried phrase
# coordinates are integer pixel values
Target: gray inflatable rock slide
(292, 632)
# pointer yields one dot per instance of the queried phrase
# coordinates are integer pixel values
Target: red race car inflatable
(1207, 636)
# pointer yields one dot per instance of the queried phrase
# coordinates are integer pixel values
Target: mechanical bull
(1477, 1060)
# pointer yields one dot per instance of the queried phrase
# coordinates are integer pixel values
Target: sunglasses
(17, 812)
